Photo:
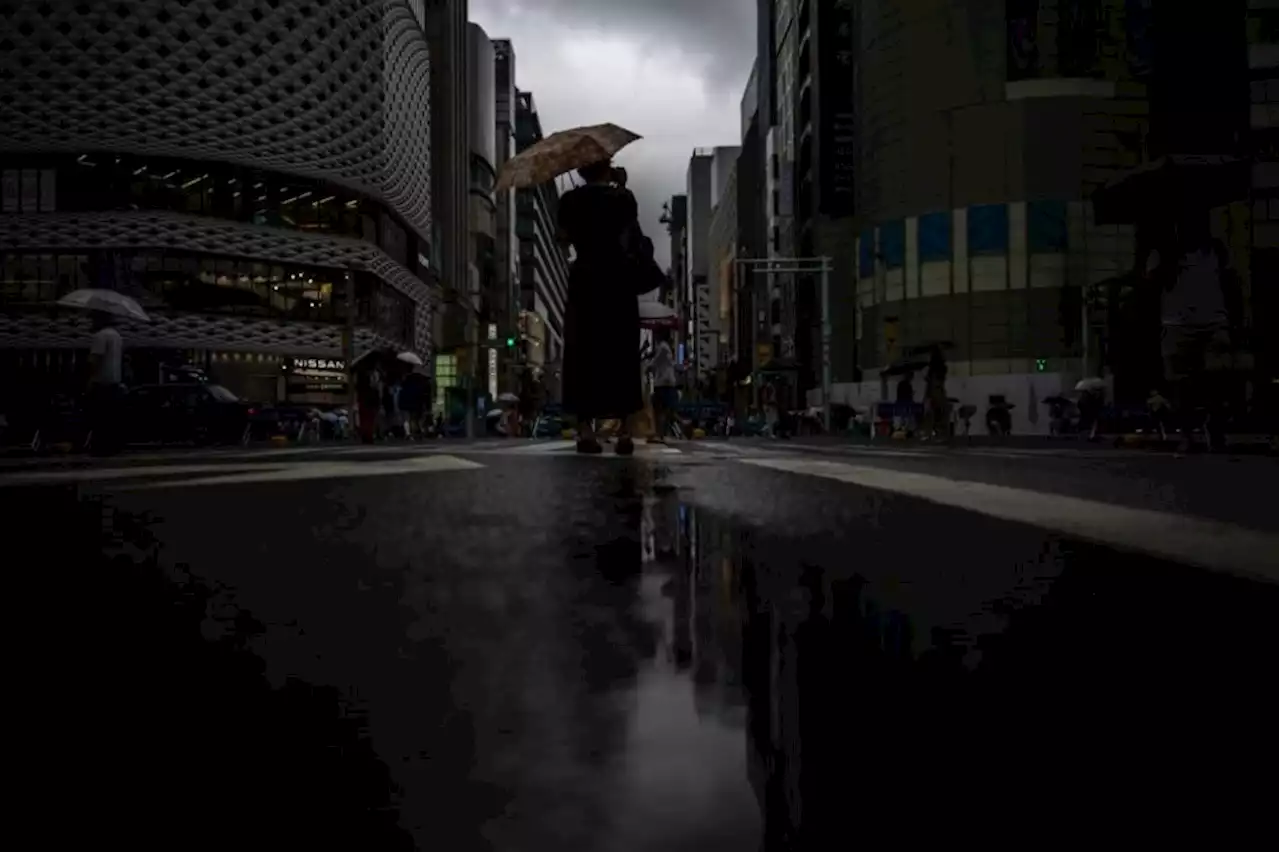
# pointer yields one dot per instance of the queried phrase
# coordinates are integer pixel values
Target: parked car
(187, 413)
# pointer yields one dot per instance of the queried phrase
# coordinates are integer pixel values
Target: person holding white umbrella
(106, 360)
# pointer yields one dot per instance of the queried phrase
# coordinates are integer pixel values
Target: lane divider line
(1184, 539)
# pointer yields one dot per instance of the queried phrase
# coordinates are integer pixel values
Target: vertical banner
(837, 127)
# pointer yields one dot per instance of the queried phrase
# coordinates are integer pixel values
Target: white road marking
(1181, 538)
(319, 470)
(548, 447)
(92, 474)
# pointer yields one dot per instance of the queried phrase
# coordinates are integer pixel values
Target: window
(1046, 226)
(988, 229)
(28, 191)
(935, 236)
(867, 253)
(893, 244)
(446, 377)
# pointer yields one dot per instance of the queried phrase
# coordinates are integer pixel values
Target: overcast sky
(671, 70)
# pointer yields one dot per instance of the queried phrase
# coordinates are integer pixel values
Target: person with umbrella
(106, 359)
(600, 221)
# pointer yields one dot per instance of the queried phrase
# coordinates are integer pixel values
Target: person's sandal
(625, 447)
(589, 446)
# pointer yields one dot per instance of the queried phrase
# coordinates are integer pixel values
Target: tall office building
(1265, 207)
(675, 217)
(507, 243)
(698, 182)
(489, 302)
(722, 234)
(230, 166)
(983, 132)
(752, 337)
(544, 265)
(447, 37)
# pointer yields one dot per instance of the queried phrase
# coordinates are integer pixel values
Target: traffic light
(511, 342)
(1042, 365)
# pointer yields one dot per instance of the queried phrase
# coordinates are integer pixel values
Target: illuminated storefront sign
(493, 372)
(312, 375)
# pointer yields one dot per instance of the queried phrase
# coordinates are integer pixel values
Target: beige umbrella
(562, 152)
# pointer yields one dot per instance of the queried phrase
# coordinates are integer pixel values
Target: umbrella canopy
(368, 354)
(106, 301)
(657, 315)
(563, 152)
(904, 367)
(409, 358)
(1087, 385)
(508, 398)
(1172, 184)
(927, 348)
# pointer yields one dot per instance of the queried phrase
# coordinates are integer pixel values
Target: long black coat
(602, 317)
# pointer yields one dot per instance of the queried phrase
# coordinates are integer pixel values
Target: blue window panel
(935, 237)
(1046, 226)
(893, 244)
(988, 229)
(867, 254)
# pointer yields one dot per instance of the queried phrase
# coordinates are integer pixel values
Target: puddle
(621, 668)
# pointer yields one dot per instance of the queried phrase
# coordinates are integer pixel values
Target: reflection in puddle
(684, 772)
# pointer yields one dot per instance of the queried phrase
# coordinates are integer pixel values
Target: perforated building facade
(228, 163)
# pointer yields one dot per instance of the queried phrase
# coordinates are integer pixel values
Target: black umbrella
(904, 367)
(927, 348)
(1169, 185)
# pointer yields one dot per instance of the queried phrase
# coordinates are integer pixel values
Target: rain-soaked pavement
(557, 653)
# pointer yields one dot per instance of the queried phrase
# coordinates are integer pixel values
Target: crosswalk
(1212, 544)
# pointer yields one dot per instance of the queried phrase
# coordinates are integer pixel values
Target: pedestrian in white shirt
(665, 395)
(106, 364)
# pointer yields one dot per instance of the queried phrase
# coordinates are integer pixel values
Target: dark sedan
(187, 413)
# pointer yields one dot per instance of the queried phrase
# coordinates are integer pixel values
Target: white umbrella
(410, 358)
(1086, 385)
(508, 397)
(107, 301)
(657, 315)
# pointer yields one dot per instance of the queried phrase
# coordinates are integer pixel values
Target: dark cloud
(718, 35)
(671, 71)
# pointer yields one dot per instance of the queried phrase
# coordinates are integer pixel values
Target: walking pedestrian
(106, 364)
(665, 395)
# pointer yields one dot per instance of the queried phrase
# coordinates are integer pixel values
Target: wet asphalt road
(685, 651)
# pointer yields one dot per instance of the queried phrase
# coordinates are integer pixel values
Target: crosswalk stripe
(1184, 539)
(432, 463)
(93, 474)
(548, 447)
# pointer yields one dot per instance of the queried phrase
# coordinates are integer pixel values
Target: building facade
(543, 262)
(983, 132)
(447, 38)
(251, 175)
(722, 249)
(488, 304)
(696, 255)
(675, 218)
(507, 244)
